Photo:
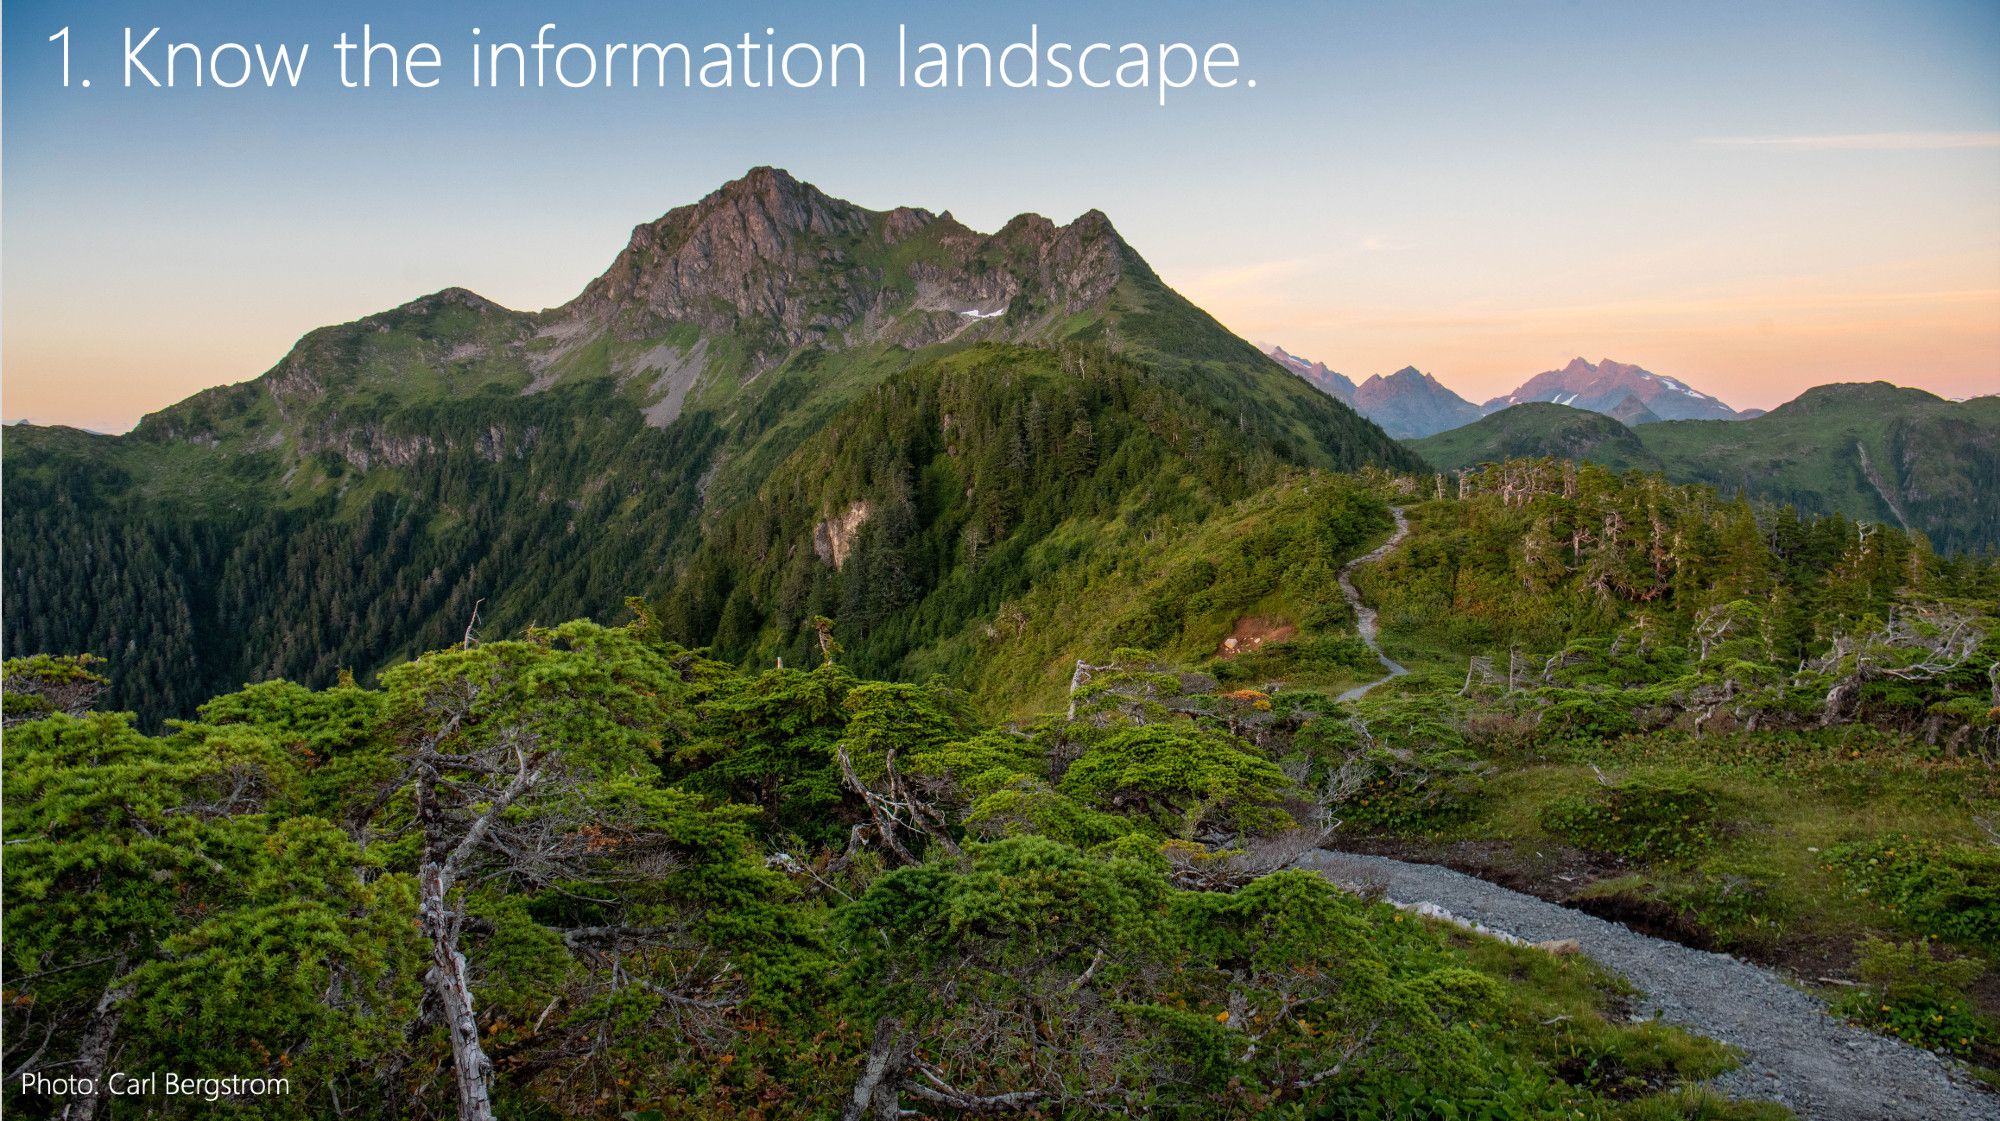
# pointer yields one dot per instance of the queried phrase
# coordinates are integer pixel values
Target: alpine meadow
(843, 664)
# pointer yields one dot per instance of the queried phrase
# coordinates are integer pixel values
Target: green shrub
(1909, 992)
(1623, 1060)
(1406, 791)
(1328, 615)
(1664, 815)
(1581, 715)
(1182, 780)
(1334, 651)
(1946, 890)
(1699, 1103)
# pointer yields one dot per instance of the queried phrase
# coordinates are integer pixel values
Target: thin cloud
(1863, 141)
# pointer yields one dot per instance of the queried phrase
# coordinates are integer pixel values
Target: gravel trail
(1794, 1051)
(1364, 615)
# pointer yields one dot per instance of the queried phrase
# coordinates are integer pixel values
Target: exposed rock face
(771, 254)
(738, 253)
(1603, 387)
(833, 538)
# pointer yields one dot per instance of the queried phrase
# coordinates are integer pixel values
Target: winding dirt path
(1364, 616)
(1795, 1052)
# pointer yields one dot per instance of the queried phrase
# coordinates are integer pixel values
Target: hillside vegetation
(1871, 452)
(391, 478)
(587, 873)
(962, 654)
(656, 884)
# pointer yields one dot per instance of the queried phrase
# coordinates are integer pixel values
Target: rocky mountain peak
(739, 253)
(775, 256)
(769, 196)
(1410, 403)
(1605, 385)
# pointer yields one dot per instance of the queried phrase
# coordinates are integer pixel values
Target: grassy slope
(1765, 889)
(1179, 592)
(1537, 429)
(1938, 461)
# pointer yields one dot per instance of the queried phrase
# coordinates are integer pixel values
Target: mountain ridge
(1604, 385)
(352, 504)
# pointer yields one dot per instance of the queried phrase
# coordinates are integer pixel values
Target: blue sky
(1753, 197)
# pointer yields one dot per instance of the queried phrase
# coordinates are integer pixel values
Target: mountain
(1336, 385)
(1606, 385)
(1407, 403)
(1632, 412)
(1410, 403)
(393, 478)
(1537, 429)
(1870, 451)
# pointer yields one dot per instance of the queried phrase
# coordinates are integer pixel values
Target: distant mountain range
(1410, 405)
(1336, 385)
(1871, 451)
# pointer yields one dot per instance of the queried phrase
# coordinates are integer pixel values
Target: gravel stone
(1795, 1052)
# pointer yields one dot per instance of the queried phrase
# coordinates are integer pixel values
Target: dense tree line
(528, 508)
(1627, 599)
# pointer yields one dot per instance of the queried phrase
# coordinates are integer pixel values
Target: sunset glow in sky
(1752, 197)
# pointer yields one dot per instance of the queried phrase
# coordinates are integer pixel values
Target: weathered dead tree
(895, 809)
(506, 794)
(471, 625)
(458, 800)
(1478, 671)
(93, 1056)
(1712, 627)
(1078, 680)
(1918, 643)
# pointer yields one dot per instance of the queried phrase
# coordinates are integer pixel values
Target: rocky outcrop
(772, 257)
(833, 538)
